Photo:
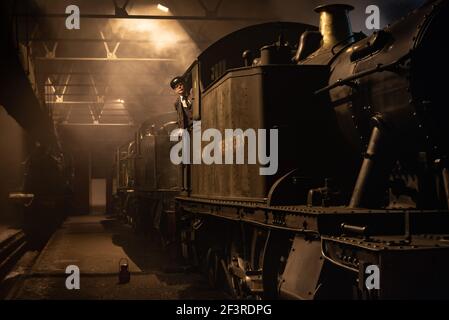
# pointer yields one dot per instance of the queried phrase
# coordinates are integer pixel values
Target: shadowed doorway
(98, 196)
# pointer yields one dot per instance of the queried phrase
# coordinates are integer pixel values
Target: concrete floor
(96, 244)
(6, 231)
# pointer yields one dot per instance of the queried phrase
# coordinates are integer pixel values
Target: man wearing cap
(183, 105)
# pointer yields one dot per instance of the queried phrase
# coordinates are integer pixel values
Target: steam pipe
(368, 168)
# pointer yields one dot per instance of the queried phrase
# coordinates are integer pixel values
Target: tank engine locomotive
(363, 175)
(147, 182)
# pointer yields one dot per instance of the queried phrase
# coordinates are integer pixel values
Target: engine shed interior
(224, 149)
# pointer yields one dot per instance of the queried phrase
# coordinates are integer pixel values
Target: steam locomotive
(146, 182)
(359, 205)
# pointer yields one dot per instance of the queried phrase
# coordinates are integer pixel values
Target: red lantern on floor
(124, 276)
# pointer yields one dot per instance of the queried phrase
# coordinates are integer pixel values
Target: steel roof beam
(143, 17)
(115, 40)
(98, 73)
(97, 85)
(104, 59)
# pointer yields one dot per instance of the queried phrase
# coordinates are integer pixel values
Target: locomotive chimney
(335, 25)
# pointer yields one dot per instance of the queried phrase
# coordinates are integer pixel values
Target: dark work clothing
(184, 114)
(184, 111)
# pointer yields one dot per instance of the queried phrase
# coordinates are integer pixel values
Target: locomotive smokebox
(335, 25)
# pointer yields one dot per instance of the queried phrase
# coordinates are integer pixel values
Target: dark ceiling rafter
(88, 94)
(97, 75)
(145, 17)
(99, 40)
(81, 102)
(101, 85)
(121, 10)
(211, 13)
(106, 59)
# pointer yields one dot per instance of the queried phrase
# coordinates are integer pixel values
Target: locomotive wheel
(213, 268)
(237, 285)
(274, 260)
(237, 289)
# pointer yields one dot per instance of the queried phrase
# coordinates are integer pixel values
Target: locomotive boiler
(389, 104)
(359, 205)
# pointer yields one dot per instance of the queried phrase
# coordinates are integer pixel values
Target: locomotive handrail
(356, 36)
(330, 259)
(348, 81)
